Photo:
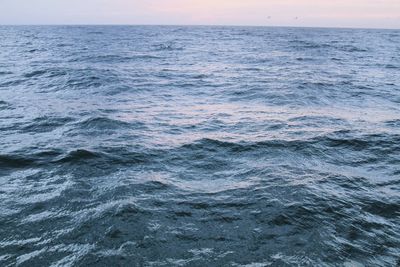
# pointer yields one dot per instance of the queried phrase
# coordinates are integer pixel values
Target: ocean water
(199, 146)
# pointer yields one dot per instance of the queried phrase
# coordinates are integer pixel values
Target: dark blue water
(199, 146)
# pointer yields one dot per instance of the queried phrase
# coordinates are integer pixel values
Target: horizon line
(203, 25)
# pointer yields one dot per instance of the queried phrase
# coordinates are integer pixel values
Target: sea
(199, 146)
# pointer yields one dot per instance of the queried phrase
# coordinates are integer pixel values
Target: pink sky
(333, 13)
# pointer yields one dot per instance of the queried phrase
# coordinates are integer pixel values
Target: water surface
(199, 146)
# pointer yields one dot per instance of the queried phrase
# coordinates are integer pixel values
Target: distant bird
(269, 17)
(296, 18)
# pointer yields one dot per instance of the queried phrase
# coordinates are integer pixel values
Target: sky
(314, 13)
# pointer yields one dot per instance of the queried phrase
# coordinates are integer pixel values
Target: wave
(55, 73)
(46, 124)
(328, 147)
(167, 47)
(307, 59)
(393, 123)
(11, 83)
(13, 162)
(108, 157)
(35, 73)
(391, 66)
(64, 45)
(4, 106)
(96, 32)
(56, 158)
(306, 44)
(48, 73)
(5, 73)
(102, 126)
(101, 123)
(351, 48)
(334, 148)
(80, 155)
(328, 141)
(115, 58)
(20, 160)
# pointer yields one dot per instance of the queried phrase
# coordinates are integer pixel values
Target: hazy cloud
(357, 13)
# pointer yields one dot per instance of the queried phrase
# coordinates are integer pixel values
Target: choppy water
(199, 146)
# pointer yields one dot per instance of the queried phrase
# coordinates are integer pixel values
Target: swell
(335, 140)
(368, 147)
(367, 150)
(57, 157)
